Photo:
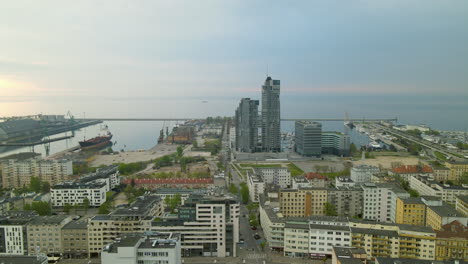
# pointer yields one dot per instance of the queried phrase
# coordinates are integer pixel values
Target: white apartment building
(316, 237)
(12, 240)
(75, 193)
(276, 175)
(232, 137)
(363, 173)
(147, 248)
(425, 185)
(341, 181)
(18, 173)
(209, 226)
(256, 186)
(92, 187)
(379, 201)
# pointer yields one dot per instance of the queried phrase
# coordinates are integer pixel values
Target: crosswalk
(256, 256)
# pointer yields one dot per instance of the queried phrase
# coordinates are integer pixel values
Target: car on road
(257, 237)
(253, 227)
(241, 241)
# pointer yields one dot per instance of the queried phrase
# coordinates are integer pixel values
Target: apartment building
(406, 171)
(75, 193)
(348, 201)
(461, 204)
(363, 173)
(438, 216)
(457, 167)
(428, 186)
(342, 181)
(16, 259)
(393, 240)
(209, 226)
(300, 182)
(246, 137)
(316, 180)
(441, 174)
(275, 175)
(44, 234)
(302, 202)
(411, 211)
(348, 255)
(103, 229)
(316, 236)
(75, 239)
(256, 186)
(154, 248)
(379, 201)
(109, 175)
(273, 224)
(13, 240)
(18, 173)
(452, 242)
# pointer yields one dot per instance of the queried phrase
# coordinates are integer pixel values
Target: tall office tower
(271, 133)
(247, 125)
(308, 138)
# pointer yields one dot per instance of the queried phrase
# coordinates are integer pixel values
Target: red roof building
(315, 176)
(170, 183)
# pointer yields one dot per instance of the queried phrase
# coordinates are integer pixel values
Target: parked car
(256, 236)
(253, 228)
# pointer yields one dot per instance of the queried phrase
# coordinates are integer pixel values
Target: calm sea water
(442, 113)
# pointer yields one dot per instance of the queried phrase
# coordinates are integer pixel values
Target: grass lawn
(252, 165)
(295, 170)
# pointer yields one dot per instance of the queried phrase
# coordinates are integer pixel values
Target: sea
(438, 112)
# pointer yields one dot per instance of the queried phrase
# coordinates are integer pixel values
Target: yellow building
(461, 204)
(302, 202)
(452, 242)
(411, 211)
(393, 240)
(437, 216)
(457, 168)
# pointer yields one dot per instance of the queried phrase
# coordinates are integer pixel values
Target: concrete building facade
(209, 226)
(271, 116)
(154, 248)
(308, 138)
(18, 173)
(247, 125)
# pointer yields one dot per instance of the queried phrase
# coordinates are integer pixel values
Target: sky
(212, 48)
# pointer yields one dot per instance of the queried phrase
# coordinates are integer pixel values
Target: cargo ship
(100, 141)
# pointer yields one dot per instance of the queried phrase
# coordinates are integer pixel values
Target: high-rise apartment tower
(271, 133)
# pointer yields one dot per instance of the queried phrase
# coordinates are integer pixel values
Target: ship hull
(99, 145)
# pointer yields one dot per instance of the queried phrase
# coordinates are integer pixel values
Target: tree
(262, 245)
(180, 151)
(464, 178)
(244, 193)
(195, 144)
(35, 184)
(252, 206)
(67, 208)
(253, 220)
(104, 208)
(353, 149)
(413, 193)
(86, 204)
(233, 189)
(42, 208)
(183, 164)
(330, 209)
(45, 188)
(393, 148)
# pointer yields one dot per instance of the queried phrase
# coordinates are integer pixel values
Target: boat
(104, 139)
(349, 124)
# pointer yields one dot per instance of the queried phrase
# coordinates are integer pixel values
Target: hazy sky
(221, 47)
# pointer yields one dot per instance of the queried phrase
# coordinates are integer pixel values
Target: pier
(371, 120)
(29, 144)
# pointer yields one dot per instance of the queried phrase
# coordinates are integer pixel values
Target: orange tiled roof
(412, 169)
(170, 181)
(453, 229)
(316, 176)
